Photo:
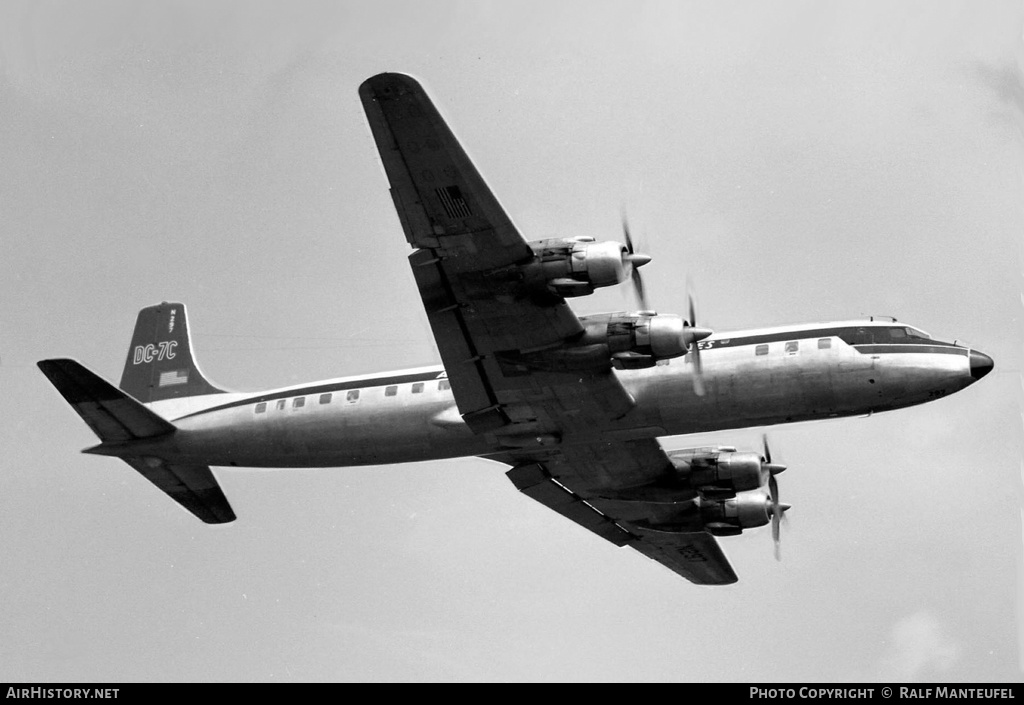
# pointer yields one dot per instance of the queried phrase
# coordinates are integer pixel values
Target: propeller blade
(776, 510)
(698, 366)
(638, 287)
(773, 492)
(632, 256)
(766, 462)
(698, 373)
(635, 261)
(625, 232)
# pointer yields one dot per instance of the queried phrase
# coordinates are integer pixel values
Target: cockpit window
(865, 335)
(891, 334)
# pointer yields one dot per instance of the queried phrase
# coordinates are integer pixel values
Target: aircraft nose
(981, 364)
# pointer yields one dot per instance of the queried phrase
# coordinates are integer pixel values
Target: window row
(351, 396)
(793, 346)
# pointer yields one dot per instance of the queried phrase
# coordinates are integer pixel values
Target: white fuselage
(752, 378)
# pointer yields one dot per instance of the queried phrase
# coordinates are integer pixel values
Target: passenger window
(325, 398)
(391, 391)
(298, 402)
(444, 384)
(897, 333)
(791, 347)
(281, 404)
(761, 349)
(261, 407)
(417, 388)
(824, 343)
(352, 396)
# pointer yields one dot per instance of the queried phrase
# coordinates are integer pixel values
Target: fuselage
(751, 378)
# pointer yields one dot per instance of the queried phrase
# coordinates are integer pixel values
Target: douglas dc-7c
(574, 405)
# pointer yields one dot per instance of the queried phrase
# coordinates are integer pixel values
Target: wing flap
(590, 468)
(533, 481)
(463, 364)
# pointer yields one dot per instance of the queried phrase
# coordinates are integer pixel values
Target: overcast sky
(800, 161)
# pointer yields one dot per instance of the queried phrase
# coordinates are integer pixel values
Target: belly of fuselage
(368, 432)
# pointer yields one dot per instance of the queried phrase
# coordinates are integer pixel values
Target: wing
(465, 263)
(556, 428)
(568, 480)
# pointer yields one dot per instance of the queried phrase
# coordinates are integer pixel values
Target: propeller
(777, 509)
(695, 334)
(636, 261)
(698, 367)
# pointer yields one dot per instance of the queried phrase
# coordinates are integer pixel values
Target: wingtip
(383, 83)
(57, 369)
(227, 519)
(52, 362)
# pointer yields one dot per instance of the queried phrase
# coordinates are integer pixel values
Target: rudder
(160, 364)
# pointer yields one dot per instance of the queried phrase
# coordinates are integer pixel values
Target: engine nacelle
(628, 340)
(728, 517)
(637, 340)
(720, 472)
(577, 267)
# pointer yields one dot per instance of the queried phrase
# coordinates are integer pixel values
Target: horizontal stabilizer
(121, 422)
(111, 414)
(192, 486)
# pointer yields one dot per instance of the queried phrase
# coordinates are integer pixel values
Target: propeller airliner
(573, 405)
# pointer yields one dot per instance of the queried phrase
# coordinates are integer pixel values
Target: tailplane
(112, 415)
(133, 432)
(160, 364)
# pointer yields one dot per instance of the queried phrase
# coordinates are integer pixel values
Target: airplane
(573, 405)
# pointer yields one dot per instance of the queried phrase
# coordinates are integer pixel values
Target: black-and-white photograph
(511, 341)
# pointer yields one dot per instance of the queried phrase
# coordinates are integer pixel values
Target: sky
(797, 161)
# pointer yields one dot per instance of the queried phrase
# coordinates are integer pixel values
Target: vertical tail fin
(160, 364)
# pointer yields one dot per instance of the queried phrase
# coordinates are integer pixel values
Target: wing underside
(558, 429)
(465, 264)
(671, 533)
